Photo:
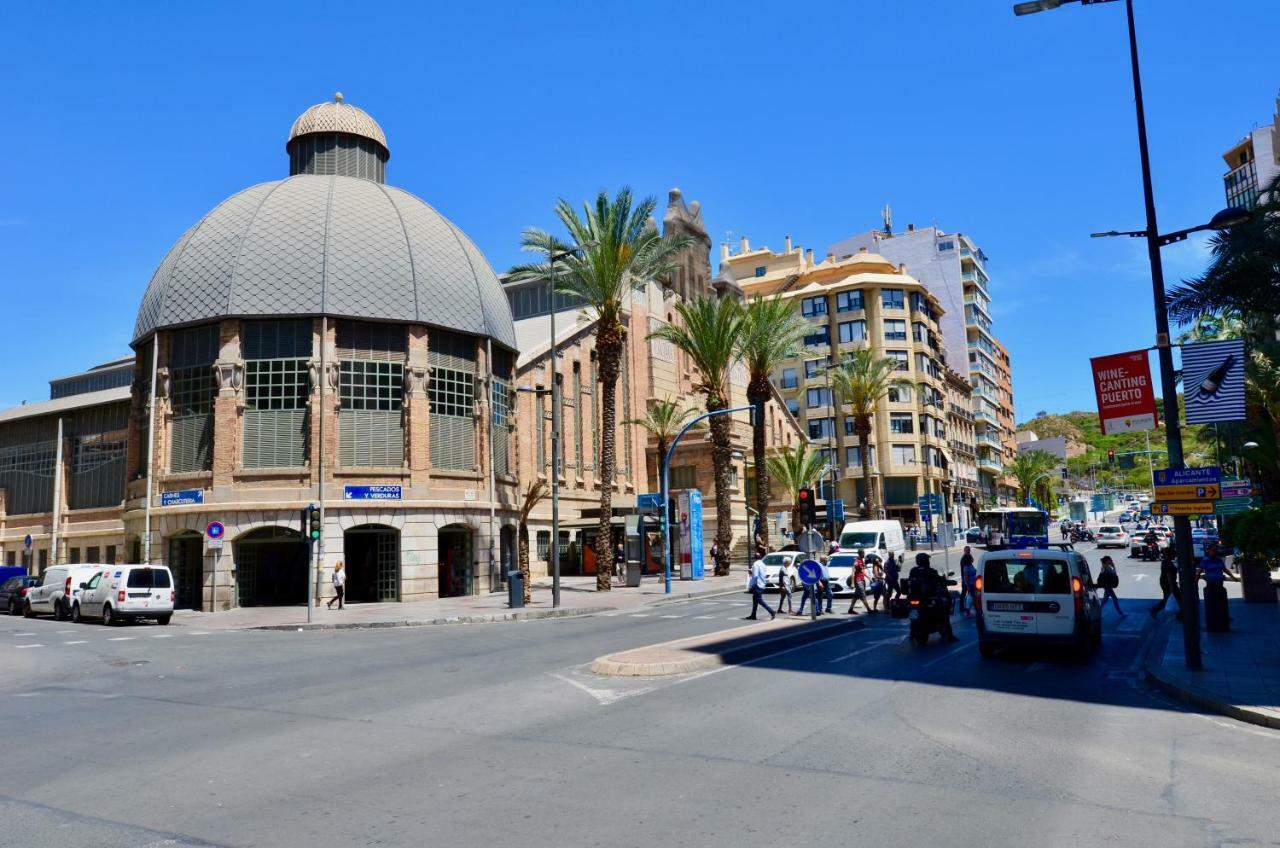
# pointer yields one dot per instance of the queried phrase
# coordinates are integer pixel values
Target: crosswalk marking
(28, 646)
(671, 616)
(77, 642)
(162, 636)
(120, 639)
(703, 617)
(639, 615)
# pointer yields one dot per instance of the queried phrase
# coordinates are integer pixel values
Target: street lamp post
(1164, 350)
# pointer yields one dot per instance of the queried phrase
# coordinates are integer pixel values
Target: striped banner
(1213, 381)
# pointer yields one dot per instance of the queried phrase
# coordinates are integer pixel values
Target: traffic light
(808, 507)
(1064, 472)
(313, 524)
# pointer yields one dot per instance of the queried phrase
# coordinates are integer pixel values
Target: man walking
(755, 585)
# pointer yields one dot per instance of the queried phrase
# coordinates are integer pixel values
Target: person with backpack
(1108, 581)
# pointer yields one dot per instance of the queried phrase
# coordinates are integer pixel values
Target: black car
(12, 592)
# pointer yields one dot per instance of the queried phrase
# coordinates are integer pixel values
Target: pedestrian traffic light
(313, 524)
(807, 506)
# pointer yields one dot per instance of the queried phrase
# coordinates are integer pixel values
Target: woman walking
(786, 574)
(1108, 580)
(1168, 581)
(877, 583)
(339, 584)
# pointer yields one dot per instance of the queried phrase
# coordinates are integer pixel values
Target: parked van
(58, 590)
(121, 592)
(1036, 597)
(878, 536)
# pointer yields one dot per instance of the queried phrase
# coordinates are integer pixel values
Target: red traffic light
(804, 494)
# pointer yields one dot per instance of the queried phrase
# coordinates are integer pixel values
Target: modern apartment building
(954, 268)
(860, 301)
(1252, 163)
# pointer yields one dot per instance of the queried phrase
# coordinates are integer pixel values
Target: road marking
(604, 697)
(671, 616)
(1037, 666)
(897, 640)
(24, 634)
(162, 636)
(77, 642)
(957, 649)
(199, 633)
(28, 646)
(60, 632)
(120, 639)
(633, 615)
(704, 617)
(1139, 577)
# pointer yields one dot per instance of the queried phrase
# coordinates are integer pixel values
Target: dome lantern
(335, 138)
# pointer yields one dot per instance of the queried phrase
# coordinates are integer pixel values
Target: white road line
(671, 616)
(633, 615)
(199, 633)
(957, 649)
(61, 632)
(24, 634)
(120, 639)
(1139, 577)
(897, 640)
(704, 617)
(604, 697)
(28, 646)
(77, 642)
(162, 636)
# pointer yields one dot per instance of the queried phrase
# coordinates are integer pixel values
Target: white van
(117, 593)
(58, 590)
(1036, 597)
(881, 537)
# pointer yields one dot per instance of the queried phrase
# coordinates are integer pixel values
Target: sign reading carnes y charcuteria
(1126, 397)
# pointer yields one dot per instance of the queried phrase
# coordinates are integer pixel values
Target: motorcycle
(929, 611)
(1082, 535)
(1150, 552)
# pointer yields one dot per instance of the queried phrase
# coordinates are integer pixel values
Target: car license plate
(1004, 606)
(915, 614)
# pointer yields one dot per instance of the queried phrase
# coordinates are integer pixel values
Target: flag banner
(1126, 397)
(1213, 381)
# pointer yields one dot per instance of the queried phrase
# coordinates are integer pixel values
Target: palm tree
(771, 334)
(862, 380)
(794, 470)
(708, 333)
(536, 493)
(1032, 470)
(664, 421)
(620, 248)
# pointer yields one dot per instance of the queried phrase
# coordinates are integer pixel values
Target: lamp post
(1168, 384)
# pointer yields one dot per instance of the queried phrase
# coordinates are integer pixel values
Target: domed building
(324, 339)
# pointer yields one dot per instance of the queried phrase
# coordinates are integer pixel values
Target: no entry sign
(1126, 397)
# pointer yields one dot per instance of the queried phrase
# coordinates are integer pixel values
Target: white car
(1111, 536)
(773, 564)
(840, 568)
(58, 590)
(1036, 597)
(118, 593)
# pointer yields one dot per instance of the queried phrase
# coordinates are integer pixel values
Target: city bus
(1019, 526)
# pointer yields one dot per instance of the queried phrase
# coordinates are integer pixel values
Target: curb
(1194, 695)
(530, 615)
(606, 666)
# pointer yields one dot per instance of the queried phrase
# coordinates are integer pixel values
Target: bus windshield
(1028, 524)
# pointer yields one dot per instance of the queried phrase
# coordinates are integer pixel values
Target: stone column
(228, 404)
(417, 412)
(329, 411)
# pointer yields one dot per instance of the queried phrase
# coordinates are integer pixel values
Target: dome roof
(340, 246)
(337, 116)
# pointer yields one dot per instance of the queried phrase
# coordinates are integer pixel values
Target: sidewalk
(578, 596)
(1241, 674)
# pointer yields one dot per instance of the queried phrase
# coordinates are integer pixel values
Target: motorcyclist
(1150, 543)
(926, 582)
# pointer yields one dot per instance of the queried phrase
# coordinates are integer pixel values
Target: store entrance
(372, 556)
(186, 561)
(271, 567)
(456, 562)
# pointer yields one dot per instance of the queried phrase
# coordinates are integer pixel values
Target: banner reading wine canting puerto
(1126, 396)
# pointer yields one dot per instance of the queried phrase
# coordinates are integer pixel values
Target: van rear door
(1008, 597)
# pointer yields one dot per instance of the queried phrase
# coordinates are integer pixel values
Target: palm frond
(708, 333)
(771, 333)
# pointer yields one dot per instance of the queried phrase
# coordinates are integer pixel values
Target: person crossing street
(755, 585)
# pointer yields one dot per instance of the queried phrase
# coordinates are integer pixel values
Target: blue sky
(124, 123)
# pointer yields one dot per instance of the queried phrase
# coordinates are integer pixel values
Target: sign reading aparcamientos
(1126, 396)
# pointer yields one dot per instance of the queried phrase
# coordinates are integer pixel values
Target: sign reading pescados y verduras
(1126, 397)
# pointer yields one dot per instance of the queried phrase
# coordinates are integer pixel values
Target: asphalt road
(496, 734)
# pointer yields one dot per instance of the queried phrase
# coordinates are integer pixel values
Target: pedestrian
(1108, 580)
(968, 575)
(858, 583)
(755, 585)
(761, 547)
(1168, 581)
(892, 581)
(715, 555)
(1213, 568)
(786, 579)
(997, 540)
(620, 560)
(809, 594)
(825, 585)
(877, 585)
(339, 584)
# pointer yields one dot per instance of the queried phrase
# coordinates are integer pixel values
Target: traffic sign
(185, 497)
(1242, 491)
(835, 511)
(214, 530)
(1187, 493)
(1203, 476)
(213, 544)
(810, 572)
(26, 541)
(1231, 506)
(1183, 508)
(810, 541)
(649, 502)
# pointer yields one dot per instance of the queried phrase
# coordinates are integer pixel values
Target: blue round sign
(26, 541)
(215, 530)
(810, 572)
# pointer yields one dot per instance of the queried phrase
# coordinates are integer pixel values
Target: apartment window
(811, 306)
(919, 332)
(503, 400)
(789, 380)
(684, 477)
(277, 386)
(903, 454)
(818, 397)
(897, 395)
(793, 406)
(944, 246)
(760, 269)
(853, 331)
(849, 301)
(822, 428)
(891, 298)
(814, 367)
(853, 455)
(544, 545)
(818, 338)
(919, 303)
(828, 456)
(939, 428)
(848, 425)
(902, 357)
(895, 331)
(901, 422)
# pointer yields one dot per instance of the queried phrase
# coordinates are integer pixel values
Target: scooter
(1150, 552)
(928, 613)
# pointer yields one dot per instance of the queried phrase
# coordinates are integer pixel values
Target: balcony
(985, 439)
(987, 464)
(986, 417)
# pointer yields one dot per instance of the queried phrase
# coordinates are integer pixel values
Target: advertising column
(689, 503)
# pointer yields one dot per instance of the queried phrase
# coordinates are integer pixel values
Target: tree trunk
(862, 429)
(609, 352)
(522, 548)
(758, 395)
(722, 461)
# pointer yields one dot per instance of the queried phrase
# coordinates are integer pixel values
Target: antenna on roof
(887, 215)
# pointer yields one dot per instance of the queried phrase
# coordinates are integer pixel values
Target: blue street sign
(26, 541)
(1097, 503)
(837, 511)
(649, 501)
(214, 530)
(371, 493)
(1208, 475)
(810, 572)
(185, 497)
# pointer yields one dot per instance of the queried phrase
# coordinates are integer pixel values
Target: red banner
(1126, 396)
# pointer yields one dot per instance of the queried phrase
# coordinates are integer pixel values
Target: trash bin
(515, 589)
(633, 573)
(1216, 617)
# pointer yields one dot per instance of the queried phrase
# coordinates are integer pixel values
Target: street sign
(26, 541)
(810, 541)
(835, 510)
(372, 493)
(649, 502)
(1183, 508)
(184, 497)
(213, 544)
(1204, 476)
(1237, 491)
(1097, 503)
(810, 572)
(214, 530)
(1187, 493)
(1231, 506)
(931, 502)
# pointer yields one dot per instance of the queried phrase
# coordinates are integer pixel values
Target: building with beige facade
(962, 472)
(861, 301)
